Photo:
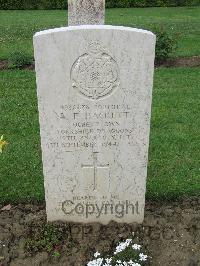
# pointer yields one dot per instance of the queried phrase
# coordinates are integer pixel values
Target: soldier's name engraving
(101, 115)
(98, 112)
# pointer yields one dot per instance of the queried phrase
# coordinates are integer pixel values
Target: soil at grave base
(193, 61)
(170, 234)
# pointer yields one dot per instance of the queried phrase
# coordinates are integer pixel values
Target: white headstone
(83, 12)
(94, 91)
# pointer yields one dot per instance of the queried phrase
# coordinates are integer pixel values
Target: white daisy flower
(143, 257)
(122, 246)
(136, 247)
(108, 260)
(128, 241)
(97, 262)
(97, 254)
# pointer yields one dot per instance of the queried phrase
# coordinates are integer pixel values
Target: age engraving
(95, 74)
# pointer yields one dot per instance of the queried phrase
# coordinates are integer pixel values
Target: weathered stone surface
(83, 12)
(94, 92)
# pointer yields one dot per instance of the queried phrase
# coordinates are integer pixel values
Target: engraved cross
(95, 167)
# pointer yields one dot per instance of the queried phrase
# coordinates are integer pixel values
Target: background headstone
(83, 12)
(94, 93)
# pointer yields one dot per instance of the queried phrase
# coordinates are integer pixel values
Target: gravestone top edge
(93, 27)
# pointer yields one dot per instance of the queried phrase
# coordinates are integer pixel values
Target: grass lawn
(174, 166)
(18, 27)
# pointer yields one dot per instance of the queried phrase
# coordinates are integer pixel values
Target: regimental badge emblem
(95, 74)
